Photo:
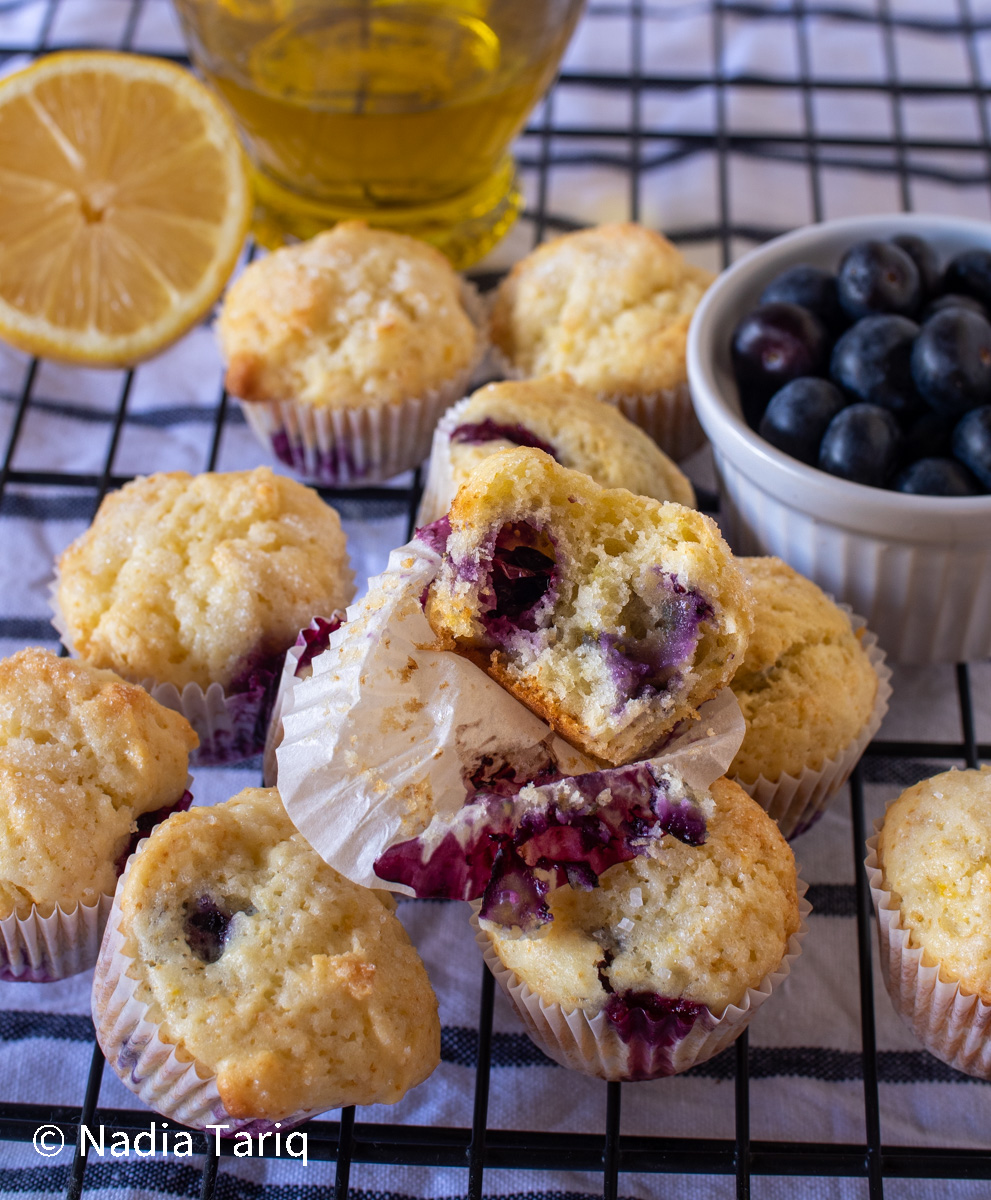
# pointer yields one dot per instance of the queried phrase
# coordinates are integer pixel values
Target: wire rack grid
(917, 136)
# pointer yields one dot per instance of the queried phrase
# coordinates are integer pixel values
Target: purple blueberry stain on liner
(316, 639)
(146, 822)
(651, 1025)
(562, 832)
(489, 430)
(334, 466)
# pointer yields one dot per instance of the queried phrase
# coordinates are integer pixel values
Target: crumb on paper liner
(952, 1024)
(592, 1045)
(386, 730)
(797, 802)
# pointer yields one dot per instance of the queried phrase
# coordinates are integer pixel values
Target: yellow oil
(399, 113)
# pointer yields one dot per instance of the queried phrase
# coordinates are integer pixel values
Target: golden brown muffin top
(82, 755)
(197, 579)
(806, 686)
(354, 317)
(610, 305)
(935, 856)
(299, 989)
(700, 923)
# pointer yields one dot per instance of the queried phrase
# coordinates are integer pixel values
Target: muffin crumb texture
(935, 856)
(610, 305)
(610, 615)
(806, 686)
(353, 317)
(82, 755)
(695, 923)
(299, 989)
(201, 579)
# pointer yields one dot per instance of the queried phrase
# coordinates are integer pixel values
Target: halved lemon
(124, 203)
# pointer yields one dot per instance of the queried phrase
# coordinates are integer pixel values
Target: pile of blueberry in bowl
(878, 372)
(906, 383)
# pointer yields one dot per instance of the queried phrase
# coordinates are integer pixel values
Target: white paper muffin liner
(38, 949)
(952, 1024)
(797, 802)
(362, 444)
(438, 487)
(168, 1081)
(667, 415)
(592, 1045)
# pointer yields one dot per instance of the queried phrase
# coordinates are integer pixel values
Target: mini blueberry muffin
(931, 885)
(610, 306)
(612, 616)
(85, 761)
(204, 582)
(808, 689)
(242, 980)
(665, 962)
(552, 414)
(345, 350)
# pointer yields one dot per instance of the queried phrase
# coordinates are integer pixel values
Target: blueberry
(953, 300)
(206, 929)
(925, 258)
(936, 477)
(878, 277)
(873, 362)
(797, 416)
(861, 444)
(811, 288)
(925, 436)
(775, 344)
(951, 361)
(970, 273)
(972, 443)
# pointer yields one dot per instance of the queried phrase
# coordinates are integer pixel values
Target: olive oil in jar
(401, 113)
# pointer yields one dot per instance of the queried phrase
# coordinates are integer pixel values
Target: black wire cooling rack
(953, 163)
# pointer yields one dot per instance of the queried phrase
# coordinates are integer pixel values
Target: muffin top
(610, 305)
(697, 923)
(354, 317)
(578, 430)
(82, 755)
(935, 855)
(200, 579)
(298, 988)
(806, 686)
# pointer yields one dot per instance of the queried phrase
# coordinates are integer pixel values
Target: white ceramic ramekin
(917, 567)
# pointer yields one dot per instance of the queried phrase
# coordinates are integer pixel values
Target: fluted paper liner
(951, 1023)
(168, 1081)
(40, 949)
(591, 1044)
(797, 802)
(361, 444)
(667, 415)
(379, 740)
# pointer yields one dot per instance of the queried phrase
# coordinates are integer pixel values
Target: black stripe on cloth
(18, 1025)
(459, 1046)
(153, 418)
(902, 772)
(28, 629)
(77, 506)
(168, 1177)
(832, 899)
